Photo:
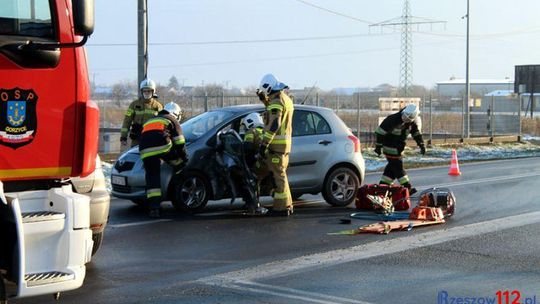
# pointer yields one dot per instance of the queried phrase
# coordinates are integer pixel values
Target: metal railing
(443, 120)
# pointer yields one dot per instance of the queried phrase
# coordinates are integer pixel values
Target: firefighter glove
(378, 150)
(423, 149)
(261, 95)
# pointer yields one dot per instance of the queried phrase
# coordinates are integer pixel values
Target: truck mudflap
(51, 241)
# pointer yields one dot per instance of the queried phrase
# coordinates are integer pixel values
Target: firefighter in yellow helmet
(276, 141)
(140, 111)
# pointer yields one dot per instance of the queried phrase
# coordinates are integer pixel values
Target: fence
(442, 119)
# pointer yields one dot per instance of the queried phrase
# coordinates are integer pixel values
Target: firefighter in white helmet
(251, 130)
(161, 139)
(391, 136)
(139, 111)
(276, 141)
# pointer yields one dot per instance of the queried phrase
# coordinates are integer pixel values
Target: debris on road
(434, 206)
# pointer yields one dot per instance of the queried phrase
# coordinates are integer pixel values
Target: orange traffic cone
(454, 166)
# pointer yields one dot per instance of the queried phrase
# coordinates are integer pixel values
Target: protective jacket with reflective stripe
(139, 112)
(392, 133)
(162, 134)
(278, 123)
(252, 142)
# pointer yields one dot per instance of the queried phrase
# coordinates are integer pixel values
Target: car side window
(321, 125)
(303, 123)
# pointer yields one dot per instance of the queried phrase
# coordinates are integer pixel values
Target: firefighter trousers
(394, 170)
(152, 166)
(276, 164)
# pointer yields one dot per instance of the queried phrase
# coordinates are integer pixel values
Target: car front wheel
(191, 193)
(340, 187)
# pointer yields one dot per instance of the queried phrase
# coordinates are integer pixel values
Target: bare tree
(210, 89)
(173, 84)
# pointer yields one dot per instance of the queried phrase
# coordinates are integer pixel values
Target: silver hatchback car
(325, 158)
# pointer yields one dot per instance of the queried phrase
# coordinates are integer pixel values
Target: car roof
(239, 109)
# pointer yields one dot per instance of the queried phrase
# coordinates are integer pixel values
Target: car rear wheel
(191, 193)
(340, 187)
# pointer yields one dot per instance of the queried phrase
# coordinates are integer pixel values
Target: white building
(479, 87)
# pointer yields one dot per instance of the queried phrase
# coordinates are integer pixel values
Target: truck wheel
(340, 187)
(191, 193)
(97, 238)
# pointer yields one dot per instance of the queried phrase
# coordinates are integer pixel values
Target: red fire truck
(48, 134)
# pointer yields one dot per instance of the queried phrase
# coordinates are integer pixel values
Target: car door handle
(324, 142)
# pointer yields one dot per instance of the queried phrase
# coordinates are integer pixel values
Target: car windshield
(26, 18)
(197, 126)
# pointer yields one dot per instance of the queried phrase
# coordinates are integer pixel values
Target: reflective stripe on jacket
(139, 112)
(392, 133)
(252, 140)
(278, 123)
(161, 134)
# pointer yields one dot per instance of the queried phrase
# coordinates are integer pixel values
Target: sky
(328, 43)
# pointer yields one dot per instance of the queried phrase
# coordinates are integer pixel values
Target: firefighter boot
(410, 187)
(153, 205)
(286, 212)
(256, 210)
(154, 213)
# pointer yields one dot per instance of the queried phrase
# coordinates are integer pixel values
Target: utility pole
(142, 41)
(406, 21)
(467, 119)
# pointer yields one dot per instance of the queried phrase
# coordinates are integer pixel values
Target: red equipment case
(399, 194)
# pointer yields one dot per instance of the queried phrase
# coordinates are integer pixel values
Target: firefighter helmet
(409, 113)
(147, 84)
(249, 121)
(174, 110)
(270, 83)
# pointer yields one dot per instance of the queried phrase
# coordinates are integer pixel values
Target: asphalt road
(489, 251)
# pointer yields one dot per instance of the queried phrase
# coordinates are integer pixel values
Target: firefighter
(139, 112)
(161, 139)
(276, 141)
(391, 136)
(251, 129)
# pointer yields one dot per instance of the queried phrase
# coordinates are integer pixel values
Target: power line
(334, 12)
(276, 58)
(243, 41)
(314, 38)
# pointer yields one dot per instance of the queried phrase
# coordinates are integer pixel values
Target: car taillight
(356, 143)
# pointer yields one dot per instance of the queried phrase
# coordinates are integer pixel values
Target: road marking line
(138, 223)
(370, 250)
(481, 180)
(301, 292)
(289, 293)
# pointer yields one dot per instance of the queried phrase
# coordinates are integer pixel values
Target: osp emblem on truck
(18, 120)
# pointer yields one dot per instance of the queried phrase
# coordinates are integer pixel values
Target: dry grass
(531, 126)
